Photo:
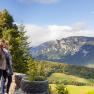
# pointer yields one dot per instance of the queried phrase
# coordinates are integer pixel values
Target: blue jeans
(9, 77)
(2, 81)
(4, 76)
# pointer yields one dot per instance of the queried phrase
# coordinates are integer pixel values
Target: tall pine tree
(18, 45)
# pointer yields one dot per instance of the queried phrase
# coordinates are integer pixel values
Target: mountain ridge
(77, 50)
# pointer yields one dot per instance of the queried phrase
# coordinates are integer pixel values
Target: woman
(7, 74)
(2, 58)
(2, 64)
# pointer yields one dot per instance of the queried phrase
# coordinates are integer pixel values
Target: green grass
(80, 89)
(75, 89)
(70, 79)
(61, 76)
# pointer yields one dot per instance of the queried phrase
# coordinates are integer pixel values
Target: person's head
(4, 43)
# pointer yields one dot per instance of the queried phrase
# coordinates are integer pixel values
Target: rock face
(71, 50)
(15, 85)
(19, 91)
(34, 86)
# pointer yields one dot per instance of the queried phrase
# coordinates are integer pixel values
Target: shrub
(39, 78)
(36, 71)
(61, 89)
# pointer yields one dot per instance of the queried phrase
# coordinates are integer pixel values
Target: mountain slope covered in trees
(77, 50)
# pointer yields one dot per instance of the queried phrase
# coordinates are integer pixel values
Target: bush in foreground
(61, 89)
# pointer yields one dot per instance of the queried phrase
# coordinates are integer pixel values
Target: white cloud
(39, 1)
(39, 34)
(79, 26)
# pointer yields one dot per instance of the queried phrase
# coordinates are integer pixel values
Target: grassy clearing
(80, 89)
(61, 77)
(75, 89)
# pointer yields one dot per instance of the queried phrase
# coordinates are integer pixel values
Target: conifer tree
(18, 45)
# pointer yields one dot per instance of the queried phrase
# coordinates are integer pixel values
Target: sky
(47, 20)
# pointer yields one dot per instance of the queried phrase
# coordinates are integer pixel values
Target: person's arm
(0, 53)
(10, 57)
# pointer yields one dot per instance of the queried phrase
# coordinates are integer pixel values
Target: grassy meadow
(75, 89)
(69, 79)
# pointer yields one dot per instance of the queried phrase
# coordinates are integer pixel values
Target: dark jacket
(2, 60)
(8, 56)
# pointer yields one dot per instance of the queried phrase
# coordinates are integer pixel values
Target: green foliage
(40, 78)
(59, 78)
(49, 90)
(36, 71)
(72, 89)
(91, 92)
(58, 73)
(62, 89)
(18, 45)
(19, 48)
(32, 69)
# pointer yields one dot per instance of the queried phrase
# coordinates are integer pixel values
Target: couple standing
(6, 71)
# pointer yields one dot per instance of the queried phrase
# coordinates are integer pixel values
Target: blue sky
(60, 12)
(41, 14)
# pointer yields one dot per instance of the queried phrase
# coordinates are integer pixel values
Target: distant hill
(69, 79)
(67, 74)
(77, 50)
